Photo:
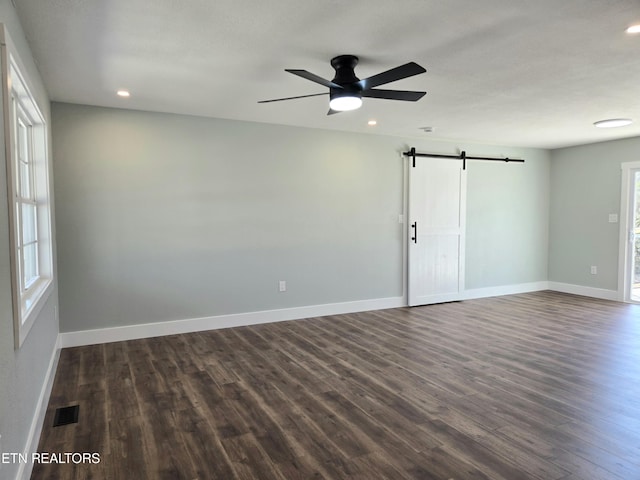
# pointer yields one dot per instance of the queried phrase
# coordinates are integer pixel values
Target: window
(26, 205)
(28, 191)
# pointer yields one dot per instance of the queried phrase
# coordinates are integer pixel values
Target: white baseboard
(25, 469)
(148, 330)
(504, 290)
(158, 329)
(601, 293)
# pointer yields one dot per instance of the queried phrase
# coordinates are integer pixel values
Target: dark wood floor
(535, 386)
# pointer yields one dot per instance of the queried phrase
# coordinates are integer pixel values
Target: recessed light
(613, 123)
(634, 29)
(123, 93)
(372, 123)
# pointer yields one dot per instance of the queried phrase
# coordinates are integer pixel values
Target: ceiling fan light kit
(345, 102)
(346, 90)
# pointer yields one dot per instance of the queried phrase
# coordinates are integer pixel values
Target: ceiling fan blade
(406, 95)
(293, 98)
(313, 78)
(403, 71)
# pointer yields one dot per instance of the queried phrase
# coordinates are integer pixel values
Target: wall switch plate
(282, 285)
(594, 270)
(613, 218)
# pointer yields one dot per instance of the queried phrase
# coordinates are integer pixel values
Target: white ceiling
(532, 73)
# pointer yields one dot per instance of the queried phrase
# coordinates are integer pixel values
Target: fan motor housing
(344, 66)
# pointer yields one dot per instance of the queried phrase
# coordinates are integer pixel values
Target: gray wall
(507, 218)
(22, 372)
(585, 189)
(167, 217)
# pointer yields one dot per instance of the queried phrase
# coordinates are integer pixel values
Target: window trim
(27, 300)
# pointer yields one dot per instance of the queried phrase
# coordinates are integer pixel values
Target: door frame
(626, 225)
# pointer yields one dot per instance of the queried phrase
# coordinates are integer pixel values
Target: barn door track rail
(462, 156)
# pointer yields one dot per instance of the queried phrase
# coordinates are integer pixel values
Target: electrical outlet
(613, 218)
(282, 285)
(594, 270)
(401, 218)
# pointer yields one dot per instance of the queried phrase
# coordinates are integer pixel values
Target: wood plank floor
(534, 386)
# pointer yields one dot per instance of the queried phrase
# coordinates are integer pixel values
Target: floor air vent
(66, 415)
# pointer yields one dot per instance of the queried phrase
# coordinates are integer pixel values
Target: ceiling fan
(346, 90)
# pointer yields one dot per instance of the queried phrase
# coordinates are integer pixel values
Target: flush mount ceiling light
(123, 93)
(371, 123)
(613, 123)
(634, 29)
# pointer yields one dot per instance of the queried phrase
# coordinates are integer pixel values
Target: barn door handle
(414, 225)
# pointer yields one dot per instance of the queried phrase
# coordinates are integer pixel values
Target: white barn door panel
(437, 199)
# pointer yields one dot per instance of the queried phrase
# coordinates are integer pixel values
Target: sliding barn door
(437, 199)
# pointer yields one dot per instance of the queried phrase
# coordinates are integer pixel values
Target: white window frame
(19, 105)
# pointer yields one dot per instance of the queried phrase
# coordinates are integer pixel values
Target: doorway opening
(635, 238)
(629, 268)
